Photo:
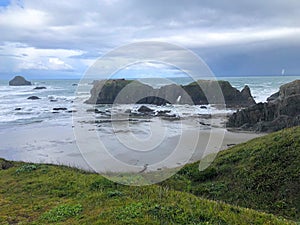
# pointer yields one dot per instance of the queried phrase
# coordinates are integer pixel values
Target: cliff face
(128, 92)
(281, 110)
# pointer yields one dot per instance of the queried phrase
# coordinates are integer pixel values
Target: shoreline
(56, 144)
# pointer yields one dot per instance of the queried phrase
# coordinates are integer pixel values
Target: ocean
(61, 93)
(32, 130)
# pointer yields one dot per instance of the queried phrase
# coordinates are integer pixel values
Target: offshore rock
(123, 91)
(19, 81)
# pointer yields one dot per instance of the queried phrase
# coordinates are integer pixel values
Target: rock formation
(129, 92)
(281, 110)
(19, 81)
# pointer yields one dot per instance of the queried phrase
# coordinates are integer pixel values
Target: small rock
(33, 98)
(18, 108)
(204, 124)
(39, 88)
(59, 109)
(145, 109)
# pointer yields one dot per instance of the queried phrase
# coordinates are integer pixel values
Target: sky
(43, 39)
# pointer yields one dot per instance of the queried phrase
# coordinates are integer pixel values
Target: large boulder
(129, 92)
(281, 110)
(19, 81)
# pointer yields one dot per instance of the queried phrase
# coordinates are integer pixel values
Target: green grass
(263, 174)
(48, 194)
(62, 212)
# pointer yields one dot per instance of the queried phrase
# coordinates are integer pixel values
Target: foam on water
(15, 108)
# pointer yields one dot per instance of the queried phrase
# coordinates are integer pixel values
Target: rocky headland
(282, 110)
(130, 92)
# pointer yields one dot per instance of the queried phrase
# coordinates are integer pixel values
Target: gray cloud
(232, 28)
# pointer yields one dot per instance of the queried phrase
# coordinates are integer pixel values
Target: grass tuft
(62, 212)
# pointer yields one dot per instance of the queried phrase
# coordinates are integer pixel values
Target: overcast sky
(61, 39)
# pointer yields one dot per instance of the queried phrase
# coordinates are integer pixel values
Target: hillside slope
(47, 194)
(262, 174)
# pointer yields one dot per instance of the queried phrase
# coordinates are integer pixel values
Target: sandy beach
(101, 151)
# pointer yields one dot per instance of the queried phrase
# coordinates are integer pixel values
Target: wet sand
(103, 152)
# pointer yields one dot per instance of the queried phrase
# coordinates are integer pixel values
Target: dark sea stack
(130, 92)
(19, 81)
(233, 97)
(282, 110)
(33, 98)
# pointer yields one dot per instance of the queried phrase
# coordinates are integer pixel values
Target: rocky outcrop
(19, 81)
(281, 110)
(129, 92)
